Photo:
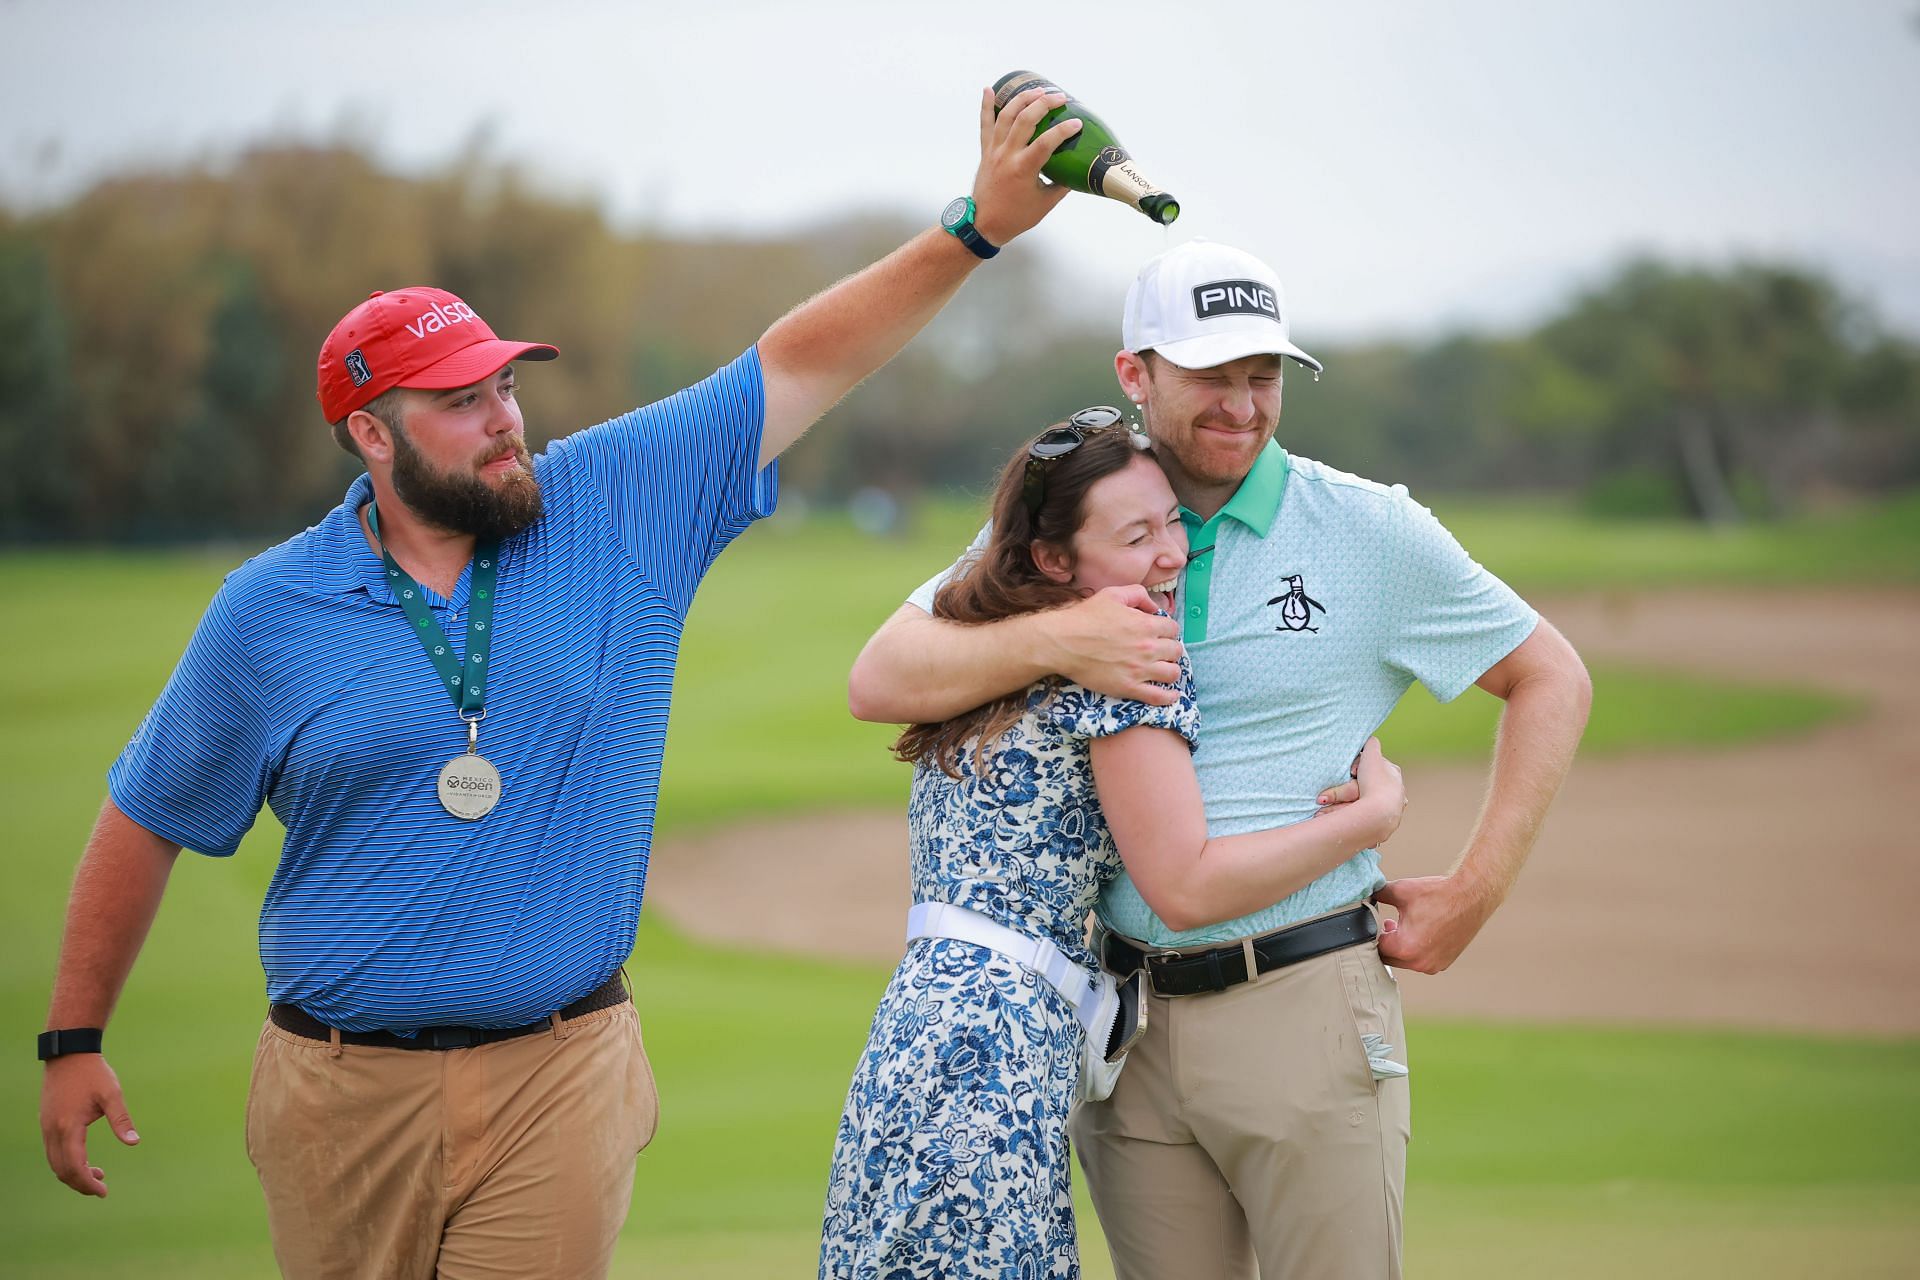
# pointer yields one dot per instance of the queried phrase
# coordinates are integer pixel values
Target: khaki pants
(512, 1159)
(1247, 1127)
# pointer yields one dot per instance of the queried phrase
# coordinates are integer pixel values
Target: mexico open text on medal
(469, 786)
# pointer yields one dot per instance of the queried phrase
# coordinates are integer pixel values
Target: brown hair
(388, 406)
(1003, 581)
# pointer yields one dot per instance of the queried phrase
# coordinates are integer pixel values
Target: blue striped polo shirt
(304, 689)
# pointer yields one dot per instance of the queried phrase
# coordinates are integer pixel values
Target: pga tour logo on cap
(1234, 298)
(357, 368)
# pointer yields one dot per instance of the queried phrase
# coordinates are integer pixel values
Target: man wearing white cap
(1262, 1120)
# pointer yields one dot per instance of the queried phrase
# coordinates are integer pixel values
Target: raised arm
(829, 344)
(918, 669)
(1548, 695)
(1152, 804)
(116, 893)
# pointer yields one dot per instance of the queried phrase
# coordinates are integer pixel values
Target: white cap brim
(1221, 348)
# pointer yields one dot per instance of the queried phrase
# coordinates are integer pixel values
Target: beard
(1185, 453)
(464, 503)
(1193, 458)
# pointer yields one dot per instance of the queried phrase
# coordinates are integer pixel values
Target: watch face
(955, 213)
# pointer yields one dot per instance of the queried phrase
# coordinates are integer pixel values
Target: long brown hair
(1003, 581)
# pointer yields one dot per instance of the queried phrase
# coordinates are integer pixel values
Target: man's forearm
(1547, 695)
(116, 894)
(1540, 729)
(823, 348)
(921, 670)
(827, 345)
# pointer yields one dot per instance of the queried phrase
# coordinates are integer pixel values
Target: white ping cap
(1204, 304)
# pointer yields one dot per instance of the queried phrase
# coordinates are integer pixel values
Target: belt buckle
(451, 1037)
(1147, 961)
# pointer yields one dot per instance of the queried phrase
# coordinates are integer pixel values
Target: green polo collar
(1255, 504)
(1257, 501)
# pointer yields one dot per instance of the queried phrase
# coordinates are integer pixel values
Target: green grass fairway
(1631, 1152)
(1538, 1151)
(1538, 547)
(783, 615)
(761, 693)
(1538, 544)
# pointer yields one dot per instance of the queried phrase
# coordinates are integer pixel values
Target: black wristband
(58, 1044)
(957, 221)
(969, 235)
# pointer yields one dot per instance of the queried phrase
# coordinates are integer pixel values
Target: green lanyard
(467, 688)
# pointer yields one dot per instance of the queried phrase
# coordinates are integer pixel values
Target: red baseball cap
(414, 337)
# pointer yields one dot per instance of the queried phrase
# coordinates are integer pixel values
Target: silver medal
(469, 786)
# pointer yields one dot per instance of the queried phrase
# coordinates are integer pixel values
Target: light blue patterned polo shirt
(1324, 596)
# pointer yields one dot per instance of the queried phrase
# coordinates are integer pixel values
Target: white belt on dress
(1081, 986)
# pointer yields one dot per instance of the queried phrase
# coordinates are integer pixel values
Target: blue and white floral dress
(952, 1154)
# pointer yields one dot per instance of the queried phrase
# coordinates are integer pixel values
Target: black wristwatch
(957, 221)
(58, 1044)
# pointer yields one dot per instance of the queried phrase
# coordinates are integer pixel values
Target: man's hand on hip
(1117, 642)
(1547, 694)
(79, 1089)
(1438, 917)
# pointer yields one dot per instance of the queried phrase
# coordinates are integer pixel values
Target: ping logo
(440, 317)
(357, 368)
(1235, 298)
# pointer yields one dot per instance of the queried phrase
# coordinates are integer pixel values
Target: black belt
(291, 1017)
(1199, 972)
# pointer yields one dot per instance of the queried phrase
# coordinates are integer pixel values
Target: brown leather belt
(1196, 973)
(291, 1017)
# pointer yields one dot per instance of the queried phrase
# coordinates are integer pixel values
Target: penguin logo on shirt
(1296, 606)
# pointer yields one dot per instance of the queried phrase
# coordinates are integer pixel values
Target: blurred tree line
(157, 338)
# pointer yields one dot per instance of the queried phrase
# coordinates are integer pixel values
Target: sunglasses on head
(1058, 442)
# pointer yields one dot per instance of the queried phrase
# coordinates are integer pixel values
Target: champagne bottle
(1092, 160)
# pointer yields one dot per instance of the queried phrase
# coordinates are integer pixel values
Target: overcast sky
(1404, 165)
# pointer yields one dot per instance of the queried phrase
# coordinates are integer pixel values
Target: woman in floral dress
(952, 1158)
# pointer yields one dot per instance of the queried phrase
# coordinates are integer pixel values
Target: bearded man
(453, 693)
